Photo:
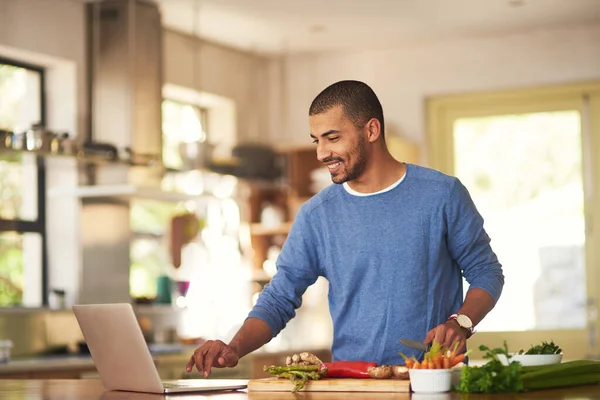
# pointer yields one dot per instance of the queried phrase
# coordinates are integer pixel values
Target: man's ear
(373, 130)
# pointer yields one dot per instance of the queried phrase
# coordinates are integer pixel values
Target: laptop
(123, 359)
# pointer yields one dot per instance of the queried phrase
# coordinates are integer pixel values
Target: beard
(359, 155)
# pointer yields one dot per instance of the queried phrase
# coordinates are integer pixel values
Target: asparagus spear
(298, 374)
(277, 369)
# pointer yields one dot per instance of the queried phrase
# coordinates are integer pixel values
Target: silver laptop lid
(118, 348)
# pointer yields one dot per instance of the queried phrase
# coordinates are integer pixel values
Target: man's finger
(227, 358)
(430, 335)
(440, 334)
(199, 358)
(450, 339)
(190, 364)
(453, 343)
(210, 357)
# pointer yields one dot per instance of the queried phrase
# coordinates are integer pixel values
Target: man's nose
(322, 152)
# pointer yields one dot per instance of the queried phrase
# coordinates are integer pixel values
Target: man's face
(340, 144)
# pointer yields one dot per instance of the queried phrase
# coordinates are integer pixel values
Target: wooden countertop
(53, 363)
(46, 364)
(92, 389)
(71, 362)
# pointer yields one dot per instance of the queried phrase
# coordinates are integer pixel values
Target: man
(392, 239)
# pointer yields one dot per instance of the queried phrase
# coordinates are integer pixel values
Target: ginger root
(304, 358)
(380, 372)
(400, 371)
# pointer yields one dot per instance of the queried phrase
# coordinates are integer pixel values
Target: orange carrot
(450, 360)
(446, 363)
(459, 358)
(417, 365)
(408, 363)
(425, 364)
(437, 361)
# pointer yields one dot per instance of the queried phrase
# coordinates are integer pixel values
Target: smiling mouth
(333, 168)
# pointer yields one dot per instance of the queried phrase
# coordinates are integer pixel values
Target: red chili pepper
(347, 369)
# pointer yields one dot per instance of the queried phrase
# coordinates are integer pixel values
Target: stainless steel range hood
(125, 85)
(125, 60)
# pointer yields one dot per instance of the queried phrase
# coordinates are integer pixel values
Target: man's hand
(212, 353)
(447, 335)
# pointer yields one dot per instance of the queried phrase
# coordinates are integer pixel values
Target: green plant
(544, 348)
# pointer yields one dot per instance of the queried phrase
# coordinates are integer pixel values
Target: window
(526, 170)
(22, 189)
(182, 124)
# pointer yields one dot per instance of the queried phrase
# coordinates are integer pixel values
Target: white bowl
(532, 359)
(430, 380)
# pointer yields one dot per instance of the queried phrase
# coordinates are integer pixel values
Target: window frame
(39, 225)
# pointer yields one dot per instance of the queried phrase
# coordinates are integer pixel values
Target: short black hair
(359, 101)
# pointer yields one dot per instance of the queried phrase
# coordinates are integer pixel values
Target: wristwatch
(464, 322)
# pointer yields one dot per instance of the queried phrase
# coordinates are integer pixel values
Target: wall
(51, 33)
(239, 76)
(403, 77)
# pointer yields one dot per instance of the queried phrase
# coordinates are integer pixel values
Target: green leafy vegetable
(492, 377)
(544, 348)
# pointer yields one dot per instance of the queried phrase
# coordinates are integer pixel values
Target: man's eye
(315, 141)
(334, 138)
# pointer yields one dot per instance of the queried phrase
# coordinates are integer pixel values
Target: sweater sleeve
(469, 244)
(297, 269)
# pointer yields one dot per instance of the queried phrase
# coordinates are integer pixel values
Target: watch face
(464, 321)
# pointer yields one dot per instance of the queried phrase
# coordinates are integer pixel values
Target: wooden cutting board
(331, 385)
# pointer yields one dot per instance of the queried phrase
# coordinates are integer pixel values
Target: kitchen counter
(170, 365)
(91, 389)
(67, 362)
(81, 361)
(48, 363)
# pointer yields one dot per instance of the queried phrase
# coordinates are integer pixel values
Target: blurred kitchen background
(156, 152)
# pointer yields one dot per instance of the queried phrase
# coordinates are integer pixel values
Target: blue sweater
(393, 261)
